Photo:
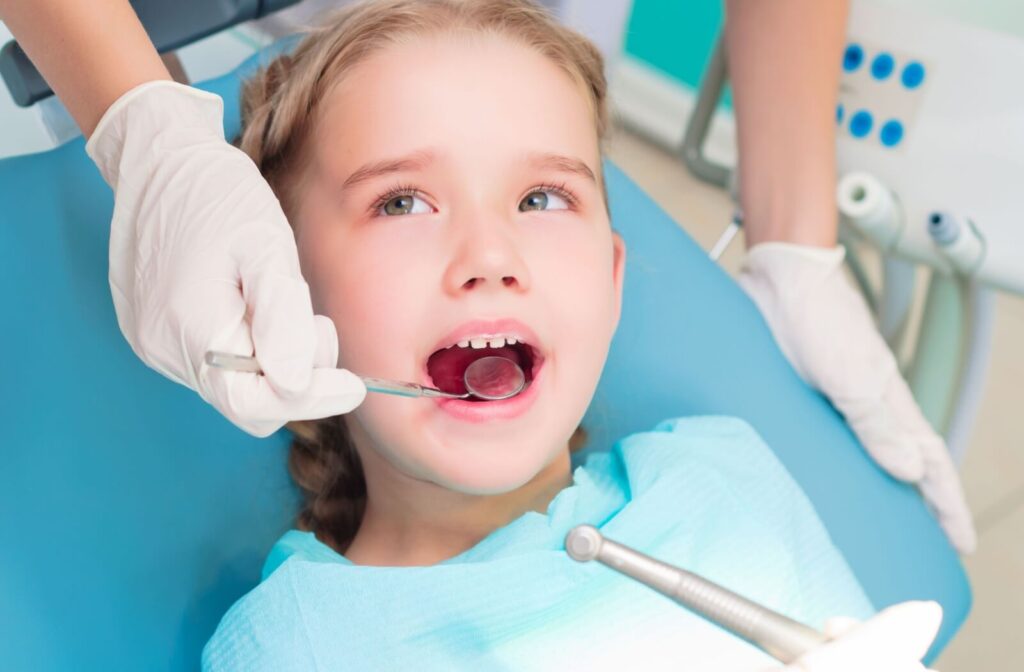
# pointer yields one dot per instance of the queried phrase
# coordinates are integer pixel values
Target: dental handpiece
(779, 636)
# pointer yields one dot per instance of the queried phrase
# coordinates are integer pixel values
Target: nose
(487, 257)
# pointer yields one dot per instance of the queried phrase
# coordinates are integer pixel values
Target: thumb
(839, 626)
(894, 640)
(906, 630)
(901, 632)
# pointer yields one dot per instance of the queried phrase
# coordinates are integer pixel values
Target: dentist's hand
(894, 640)
(202, 258)
(825, 329)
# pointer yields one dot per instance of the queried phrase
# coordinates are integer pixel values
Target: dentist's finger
(939, 483)
(884, 438)
(894, 640)
(331, 392)
(284, 333)
(944, 494)
(250, 402)
(838, 626)
(326, 343)
(903, 631)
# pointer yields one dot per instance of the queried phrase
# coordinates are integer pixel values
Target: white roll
(871, 207)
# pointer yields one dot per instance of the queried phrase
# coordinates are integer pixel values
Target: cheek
(368, 279)
(576, 273)
(573, 266)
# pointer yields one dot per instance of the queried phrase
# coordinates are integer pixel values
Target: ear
(618, 272)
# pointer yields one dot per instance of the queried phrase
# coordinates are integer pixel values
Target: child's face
(468, 130)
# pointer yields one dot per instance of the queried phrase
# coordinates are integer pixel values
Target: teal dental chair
(132, 515)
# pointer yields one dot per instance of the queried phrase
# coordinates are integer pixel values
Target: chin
(492, 468)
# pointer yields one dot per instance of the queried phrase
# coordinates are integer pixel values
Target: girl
(440, 163)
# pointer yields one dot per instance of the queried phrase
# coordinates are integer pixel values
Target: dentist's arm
(784, 61)
(89, 52)
(784, 58)
(201, 254)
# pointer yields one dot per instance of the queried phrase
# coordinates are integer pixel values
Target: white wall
(999, 15)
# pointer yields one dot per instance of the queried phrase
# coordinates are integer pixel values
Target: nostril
(508, 280)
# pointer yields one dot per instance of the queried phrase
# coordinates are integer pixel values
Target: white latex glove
(202, 258)
(825, 329)
(894, 640)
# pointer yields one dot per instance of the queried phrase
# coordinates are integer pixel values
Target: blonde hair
(279, 105)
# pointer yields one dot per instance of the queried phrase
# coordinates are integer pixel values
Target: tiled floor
(993, 471)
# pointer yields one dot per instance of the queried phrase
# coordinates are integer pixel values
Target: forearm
(784, 62)
(89, 52)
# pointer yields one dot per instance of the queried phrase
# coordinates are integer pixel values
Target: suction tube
(958, 239)
(871, 207)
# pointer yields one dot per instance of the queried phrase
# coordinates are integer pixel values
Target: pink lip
(476, 411)
(485, 411)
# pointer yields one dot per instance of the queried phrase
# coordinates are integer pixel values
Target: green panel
(675, 36)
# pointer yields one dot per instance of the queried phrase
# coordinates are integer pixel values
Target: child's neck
(406, 536)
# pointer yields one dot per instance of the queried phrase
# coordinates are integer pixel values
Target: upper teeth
(487, 342)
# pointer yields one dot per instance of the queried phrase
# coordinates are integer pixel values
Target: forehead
(479, 98)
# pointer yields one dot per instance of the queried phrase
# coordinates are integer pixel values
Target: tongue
(447, 367)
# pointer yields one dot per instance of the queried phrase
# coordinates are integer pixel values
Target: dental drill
(779, 636)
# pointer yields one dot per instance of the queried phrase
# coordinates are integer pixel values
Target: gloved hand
(202, 258)
(825, 329)
(894, 640)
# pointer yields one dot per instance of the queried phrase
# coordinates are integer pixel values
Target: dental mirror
(489, 378)
(494, 378)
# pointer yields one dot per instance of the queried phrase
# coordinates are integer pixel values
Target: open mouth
(447, 366)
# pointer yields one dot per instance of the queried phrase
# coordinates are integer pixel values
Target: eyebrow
(565, 164)
(424, 157)
(415, 161)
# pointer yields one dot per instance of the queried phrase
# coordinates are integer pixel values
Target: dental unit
(928, 149)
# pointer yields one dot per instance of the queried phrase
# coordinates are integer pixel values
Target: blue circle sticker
(882, 66)
(891, 133)
(852, 57)
(913, 75)
(861, 123)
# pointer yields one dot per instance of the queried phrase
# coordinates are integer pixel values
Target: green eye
(543, 199)
(535, 200)
(399, 205)
(404, 204)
